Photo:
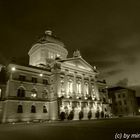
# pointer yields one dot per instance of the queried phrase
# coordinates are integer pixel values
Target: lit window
(92, 90)
(79, 87)
(70, 86)
(86, 88)
(62, 86)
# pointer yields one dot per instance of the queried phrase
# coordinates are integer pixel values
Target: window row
(34, 79)
(52, 55)
(120, 102)
(119, 95)
(33, 109)
(21, 93)
(78, 87)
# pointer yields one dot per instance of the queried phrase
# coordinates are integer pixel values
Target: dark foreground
(79, 130)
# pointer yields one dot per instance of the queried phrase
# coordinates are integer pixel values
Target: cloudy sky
(107, 32)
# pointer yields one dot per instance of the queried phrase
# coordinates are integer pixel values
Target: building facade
(123, 101)
(52, 86)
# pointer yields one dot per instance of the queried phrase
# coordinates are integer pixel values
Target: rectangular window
(22, 78)
(34, 80)
(125, 102)
(119, 96)
(120, 102)
(45, 81)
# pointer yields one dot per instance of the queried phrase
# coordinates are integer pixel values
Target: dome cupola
(47, 49)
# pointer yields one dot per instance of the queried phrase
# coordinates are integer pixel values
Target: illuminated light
(0, 93)
(13, 68)
(13, 122)
(27, 122)
(40, 74)
(77, 97)
(85, 97)
(33, 95)
(139, 110)
(57, 55)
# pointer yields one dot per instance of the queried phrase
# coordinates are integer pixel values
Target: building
(103, 96)
(123, 101)
(52, 86)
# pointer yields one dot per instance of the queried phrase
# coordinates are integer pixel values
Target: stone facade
(123, 101)
(52, 86)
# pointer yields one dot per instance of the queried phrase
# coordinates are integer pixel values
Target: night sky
(106, 32)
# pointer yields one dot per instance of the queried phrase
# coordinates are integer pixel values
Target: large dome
(47, 48)
(48, 37)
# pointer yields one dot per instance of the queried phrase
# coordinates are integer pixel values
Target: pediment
(78, 63)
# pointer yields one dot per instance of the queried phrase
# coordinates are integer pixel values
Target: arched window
(45, 109)
(33, 109)
(34, 93)
(79, 87)
(93, 91)
(86, 88)
(21, 92)
(45, 94)
(19, 109)
(62, 87)
(70, 86)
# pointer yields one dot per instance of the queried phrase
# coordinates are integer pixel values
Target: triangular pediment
(78, 63)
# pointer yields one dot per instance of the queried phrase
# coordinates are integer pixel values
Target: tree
(89, 115)
(62, 116)
(97, 114)
(71, 115)
(81, 115)
(102, 114)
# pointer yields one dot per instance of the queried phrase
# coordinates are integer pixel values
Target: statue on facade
(77, 53)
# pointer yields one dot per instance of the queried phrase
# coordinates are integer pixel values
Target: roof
(50, 38)
(118, 88)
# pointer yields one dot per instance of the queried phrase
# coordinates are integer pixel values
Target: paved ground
(79, 130)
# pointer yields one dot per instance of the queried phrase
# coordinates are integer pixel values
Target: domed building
(52, 86)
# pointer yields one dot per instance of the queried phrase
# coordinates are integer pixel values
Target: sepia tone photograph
(69, 69)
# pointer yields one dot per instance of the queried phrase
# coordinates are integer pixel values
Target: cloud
(103, 64)
(110, 73)
(130, 60)
(122, 82)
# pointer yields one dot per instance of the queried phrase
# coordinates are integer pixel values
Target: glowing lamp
(40, 74)
(13, 68)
